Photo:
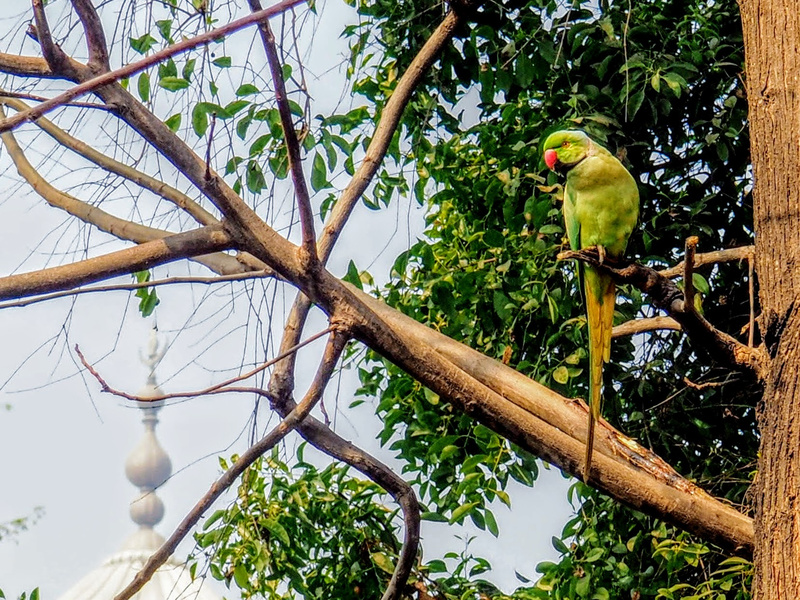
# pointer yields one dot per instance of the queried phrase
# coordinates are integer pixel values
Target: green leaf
(561, 375)
(200, 119)
(459, 513)
(278, 530)
(241, 577)
(491, 523)
(143, 86)
(223, 62)
(143, 44)
(247, 89)
(352, 276)
(173, 84)
(319, 174)
(383, 562)
(174, 122)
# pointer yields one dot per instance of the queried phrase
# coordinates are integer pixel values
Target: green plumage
(601, 207)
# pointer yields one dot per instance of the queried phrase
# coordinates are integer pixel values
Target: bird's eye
(564, 144)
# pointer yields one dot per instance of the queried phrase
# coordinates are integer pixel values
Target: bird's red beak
(550, 158)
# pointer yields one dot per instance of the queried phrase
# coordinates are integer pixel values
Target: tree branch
(139, 285)
(309, 243)
(26, 66)
(643, 325)
(282, 377)
(91, 85)
(95, 39)
(390, 119)
(296, 416)
(707, 258)
(144, 256)
(667, 296)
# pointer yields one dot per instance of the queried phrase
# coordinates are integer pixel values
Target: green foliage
(148, 299)
(301, 532)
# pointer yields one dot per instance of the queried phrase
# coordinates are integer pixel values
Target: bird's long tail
(600, 301)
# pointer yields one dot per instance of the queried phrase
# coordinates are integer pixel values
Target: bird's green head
(565, 149)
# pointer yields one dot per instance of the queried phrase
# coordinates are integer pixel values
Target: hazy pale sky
(63, 444)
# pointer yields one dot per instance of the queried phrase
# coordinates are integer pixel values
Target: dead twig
(643, 325)
(217, 388)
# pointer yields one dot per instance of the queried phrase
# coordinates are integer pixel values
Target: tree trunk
(772, 50)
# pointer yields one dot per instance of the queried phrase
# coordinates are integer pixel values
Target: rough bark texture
(772, 50)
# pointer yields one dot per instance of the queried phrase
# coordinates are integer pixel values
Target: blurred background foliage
(661, 84)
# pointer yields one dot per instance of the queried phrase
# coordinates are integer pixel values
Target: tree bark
(772, 52)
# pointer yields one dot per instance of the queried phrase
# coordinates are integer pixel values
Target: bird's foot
(601, 254)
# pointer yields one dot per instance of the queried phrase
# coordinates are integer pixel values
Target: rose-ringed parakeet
(601, 207)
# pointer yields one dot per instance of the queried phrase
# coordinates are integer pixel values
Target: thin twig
(297, 415)
(140, 65)
(37, 98)
(139, 285)
(216, 388)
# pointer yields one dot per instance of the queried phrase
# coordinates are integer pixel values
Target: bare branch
(707, 258)
(554, 428)
(159, 188)
(217, 388)
(95, 39)
(144, 256)
(36, 98)
(666, 295)
(390, 119)
(54, 56)
(296, 416)
(26, 66)
(139, 285)
(309, 243)
(135, 67)
(642, 325)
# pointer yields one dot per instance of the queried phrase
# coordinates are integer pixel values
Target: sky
(63, 443)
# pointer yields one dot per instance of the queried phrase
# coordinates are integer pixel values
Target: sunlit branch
(291, 421)
(643, 325)
(137, 66)
(281, 380)
(390, 119)
(144, 256)
(180, 280)
(707, 258)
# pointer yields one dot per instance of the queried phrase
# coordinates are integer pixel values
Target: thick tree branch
(667, 296)
(26, 66)
(554, 428)
(95, 38)
(144, 256)
(93, 84)
(296, 416)
(309, 243)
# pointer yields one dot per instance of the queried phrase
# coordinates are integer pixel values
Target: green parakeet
(601, 207)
